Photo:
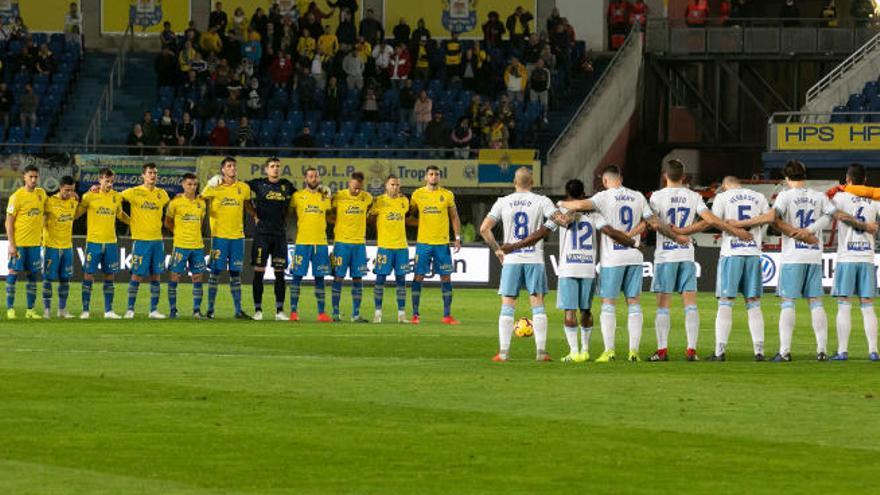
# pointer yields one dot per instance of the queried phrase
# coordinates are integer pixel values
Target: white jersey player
(576, 268)
(674, 268)
(855, 273)
(622, 266)
(520, 214)
(801, 214)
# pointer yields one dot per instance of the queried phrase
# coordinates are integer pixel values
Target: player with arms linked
(58, 245)
(389, 212)
(349, 213)
(24, 229)
(185, 217)
(311, 205)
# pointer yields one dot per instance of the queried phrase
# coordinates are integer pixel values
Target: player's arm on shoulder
(577, 204)
(863, 191)
(768, 217)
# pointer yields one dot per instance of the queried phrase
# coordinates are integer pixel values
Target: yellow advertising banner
(855, 137)
(38, 15)
(442, 16)
(485, 172)
(145, 16)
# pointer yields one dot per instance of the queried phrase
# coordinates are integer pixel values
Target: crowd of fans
(215, 85)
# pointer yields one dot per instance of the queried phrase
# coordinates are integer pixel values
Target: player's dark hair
(390, 176)
(856, 174)
(432, 167)
(359, 176)
(67, 181)
(272, 159)
(575, 189)
(227, 160)
(794, 170)
(106, 172)
(31, 168)
(190, 175)
(674, 170)
(148, 166)
(310, 169)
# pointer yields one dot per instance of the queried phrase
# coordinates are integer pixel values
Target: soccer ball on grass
(523, 328)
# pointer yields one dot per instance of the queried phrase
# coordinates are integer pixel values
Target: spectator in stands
(461, 138)
(19, 30)
(28, 107)
(350, 5)
(166, 68)
(240, 24)
(25, 62)
(281, 70)
(518, 27)
(232, 106)
(328, 43)
(287, 42)
(305, 47)
(561, 47)
(254, 102)
(539, 88)
(305, 141)
(5, 29)
(437, 133)
(167, 128)
(498, 134)
(192, 33)
(371, 29)
(696, 13)
(473, 113)
(244, 135)
(724, 12)
(353, 67)
(421, 33)
(220, 79)
(618, 18)
(487, 117)
(493, 30)
(471, 65)
(219, 137)
(790, 11)
(532, 52)
(370, 108)
(829, 13)
(346, 33)
(46, 63)
(316, 69)
(210, 42)
(73, 28)
(422, 109)
(407, 102)
(553, 20)
(382, 54)
(218, 20)
(422, 69)
(515, 79)
(136, 141)
(364, 50)
(638, 15)
(312, 25)
(332, 100)
(402, 32)
(399, 66)
(505, 111)
(306, 87)
(452, 57)
(186, 131)
(861, 11)
(151, 133)
(252, 49)
(6, 101)
(168, 38)
(259, 22)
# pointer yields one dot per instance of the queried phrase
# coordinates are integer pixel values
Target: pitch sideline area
(275, 407)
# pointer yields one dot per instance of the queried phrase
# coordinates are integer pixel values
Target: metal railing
(565, 131)
(104, 105)
(871, 46)
(756, 36)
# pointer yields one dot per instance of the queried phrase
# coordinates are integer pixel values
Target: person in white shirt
(520, 214)
(621, 266)
(801, 214)
(576, 267)
(855, 274)
(674, 268)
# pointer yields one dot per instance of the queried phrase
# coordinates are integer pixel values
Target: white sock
(539, 321)
(870, 319)
(820, 326)
(786, 327)
(844, 325)
(756, 326)
(571, 335)
(723, 322)
(661, 327)
(586, 332)
(691, 325)
(505, 330)
(608, 321)
(634, 327)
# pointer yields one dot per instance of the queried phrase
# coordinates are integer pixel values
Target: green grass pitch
(118, 407)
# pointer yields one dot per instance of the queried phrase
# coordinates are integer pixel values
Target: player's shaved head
(523, 177)
(611, 172)
(730, 182)
(855, 174)
(674, 170)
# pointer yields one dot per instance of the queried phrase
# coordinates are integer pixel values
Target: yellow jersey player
(228, 199)
(148, 251)
(24, 228)
(185, 216)
(435, 207)
(101, 208)
(311, 205)
(350, 208)
(389, 212)
(58, 245)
